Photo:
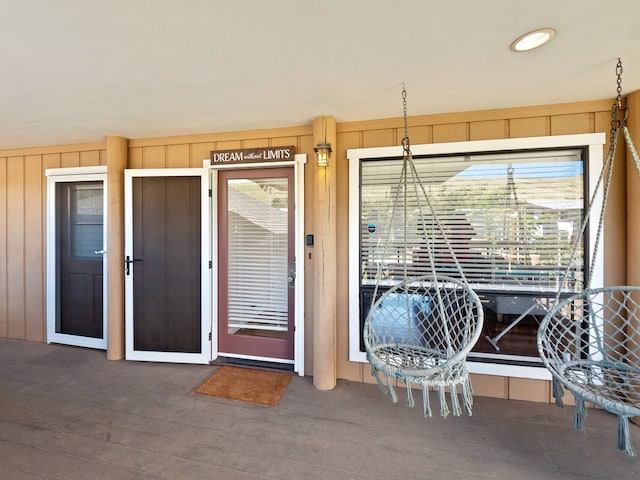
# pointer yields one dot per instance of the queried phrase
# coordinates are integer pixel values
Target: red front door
(256, 261)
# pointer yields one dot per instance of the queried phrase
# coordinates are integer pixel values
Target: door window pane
(257, 257)
(86, 220)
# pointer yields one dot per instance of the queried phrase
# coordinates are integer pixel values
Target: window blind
(510, 219)
(86, 219)
(257, 256)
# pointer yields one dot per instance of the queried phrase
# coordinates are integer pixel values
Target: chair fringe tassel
(581, 413)
(455, 404)
(410, 401)
(392, 391)
(624, 439)
(444, 408)
(425, 401)
(467, 396)
(466, 392)
(558, 392)
(374, 374)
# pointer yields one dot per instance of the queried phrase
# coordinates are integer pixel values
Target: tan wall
(575, 118)
(23, 232)
(23, 202)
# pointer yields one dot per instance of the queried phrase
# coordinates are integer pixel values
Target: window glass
(510, 220)
(257, 257)
(86, 225)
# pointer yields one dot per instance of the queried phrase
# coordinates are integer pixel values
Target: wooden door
(80, 246)
(164, 267)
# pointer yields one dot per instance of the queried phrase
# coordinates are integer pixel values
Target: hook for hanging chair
(619, 115)
(406, 146)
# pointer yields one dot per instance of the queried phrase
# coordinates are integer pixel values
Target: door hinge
(210, 264)
(210, 193)
(209, 336)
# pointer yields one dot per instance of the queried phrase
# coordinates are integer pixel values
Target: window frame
(593, 143)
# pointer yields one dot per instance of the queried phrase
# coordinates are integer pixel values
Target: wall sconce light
(323, 150)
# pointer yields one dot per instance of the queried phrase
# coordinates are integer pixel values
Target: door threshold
(250, 363)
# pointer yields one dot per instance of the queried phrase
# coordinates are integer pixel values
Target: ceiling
(74, 71)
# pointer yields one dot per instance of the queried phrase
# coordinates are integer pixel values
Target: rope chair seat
(590, 342)
(591, 380)
(420, 332)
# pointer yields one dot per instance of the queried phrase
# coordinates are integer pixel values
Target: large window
(510, 217)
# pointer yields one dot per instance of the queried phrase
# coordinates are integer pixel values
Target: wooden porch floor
(68, 413)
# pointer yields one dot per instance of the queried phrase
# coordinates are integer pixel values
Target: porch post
(324, 275)
(633, 204)
(117, 159)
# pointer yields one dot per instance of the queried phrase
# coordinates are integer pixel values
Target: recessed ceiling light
(532, 40)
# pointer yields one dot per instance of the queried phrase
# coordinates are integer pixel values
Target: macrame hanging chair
(590, 342)
(420, 329)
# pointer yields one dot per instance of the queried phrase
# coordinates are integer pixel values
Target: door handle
(100, 252)
(291, 275)
(128, 261)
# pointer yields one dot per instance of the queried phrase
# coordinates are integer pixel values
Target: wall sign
(252, 155)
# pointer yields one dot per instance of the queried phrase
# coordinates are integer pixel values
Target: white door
(76, 257)
(166, 265)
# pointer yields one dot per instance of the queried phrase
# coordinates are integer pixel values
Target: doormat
(247, 384)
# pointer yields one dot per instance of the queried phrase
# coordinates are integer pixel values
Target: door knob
(128, 261)
(291, 277)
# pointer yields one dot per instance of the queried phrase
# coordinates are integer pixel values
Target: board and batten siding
(23, 231)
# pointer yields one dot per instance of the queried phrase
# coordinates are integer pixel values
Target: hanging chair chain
(617, 119)
(405, 140)
(619, 71)
(619, 115)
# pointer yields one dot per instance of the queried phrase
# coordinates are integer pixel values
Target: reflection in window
(511, 220)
